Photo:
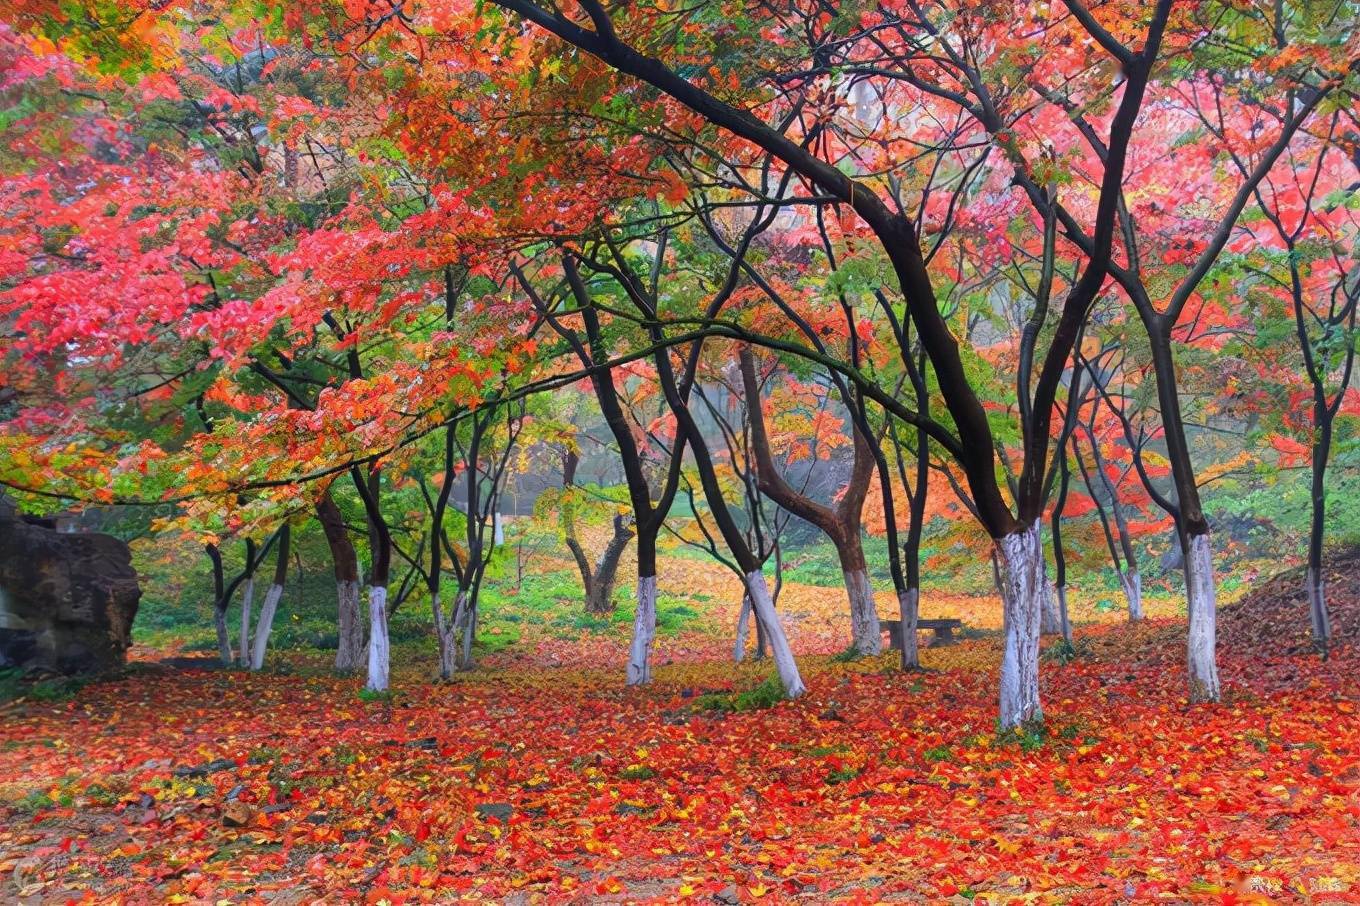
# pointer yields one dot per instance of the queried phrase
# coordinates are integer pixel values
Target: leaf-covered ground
(530, 782)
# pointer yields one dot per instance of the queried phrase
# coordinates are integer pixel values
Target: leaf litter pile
(555, 784)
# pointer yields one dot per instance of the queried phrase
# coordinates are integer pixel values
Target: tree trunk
(866, 634)
(908, 607)
(600, 596)
(264, 625)
(1020, 559)
(349, 651)
(644, 632)
(1317, 601)
(1062, 612)
(774, 631)
(247, 593)
(743, 629)
(379, 649)
(1132, 584)
(1201, 659)
(1050, 618)
(223, 637)
(447, 634)
(220, 606)
(465, 661)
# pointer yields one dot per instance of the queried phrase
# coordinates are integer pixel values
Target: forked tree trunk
(644, 633)
(379, 648)
(1199, 582)
(1020, 559)
(247, 593)
(784, 663)
(908, 608)
(743, 629)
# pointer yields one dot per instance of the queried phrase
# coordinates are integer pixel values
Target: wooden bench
(943, 630)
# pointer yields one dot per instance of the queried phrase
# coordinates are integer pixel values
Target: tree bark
(1020, 561)
(743, 629)
(774, 631)
(264, 625)
(220, 605)
(379, 648)
(600, 595)
(349, 652)
(644, 633)
(908, 608)
(1199, 581)
(247, 593)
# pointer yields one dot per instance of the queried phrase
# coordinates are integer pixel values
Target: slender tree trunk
(1132, 585)
(465, 661)
(908, 608)
(247, 593)
(743, 629)
(1199, 581)
(1059, 552)
(220, 606)
(1317, 601)
(774, 631)
(265, 624)
(1050, 617)
(1020, 559)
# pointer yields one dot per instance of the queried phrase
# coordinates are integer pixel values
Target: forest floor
(539, 778)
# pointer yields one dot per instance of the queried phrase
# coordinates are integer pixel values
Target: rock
(500, 811)
(67, 601)
(237, 814)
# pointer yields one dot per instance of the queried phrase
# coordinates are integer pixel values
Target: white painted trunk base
(774, 633)
(243, 658)
(1132, 584)
(1021, 560)
(1317, 609)
(908, 608)
(644, 633)
(379, 649)
(264, 625)
(349, 653)
(743, 629)
(1201, 657)
(866, 635)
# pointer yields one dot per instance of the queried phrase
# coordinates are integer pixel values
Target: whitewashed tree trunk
(247, 593)
(866, 635)
(497, 529)
(1132, 584)
(644, 633)
(908, 607)
(349, 652)
(379, 649)
(1317, 609)
(1020, 558)
(774, 632)
(264, 625)
(1200, 647)
(1062, 614)
(743, 629)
